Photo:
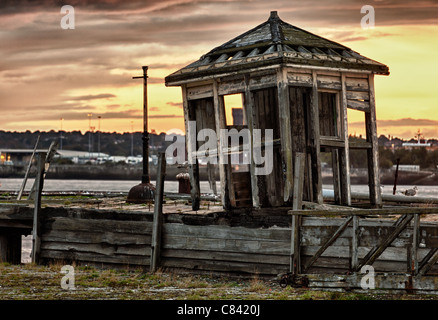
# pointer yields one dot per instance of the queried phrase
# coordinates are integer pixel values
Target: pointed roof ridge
(276, 41)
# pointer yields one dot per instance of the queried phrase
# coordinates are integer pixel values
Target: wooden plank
(249, 108)
(377, 250)
(191, 135)
(227, 86)
(358, 105)
(102, 249)
(332, 82)
(415, 243)
(428, 262)
(365, 212)
(26, 175)
(226, 232)
(327, 243)
(220, 123)
(226, 245)
(355, 243)
(84, 257)
(199, 92)
(315, 143)
(249, 258)
(344, 153)
(158, 214)
(299, 79)
(358, 95)
(98, 225)
(223, 266)
(92, 237)
(373, 153)
(357, 84)
(285, 132)
(36, 229)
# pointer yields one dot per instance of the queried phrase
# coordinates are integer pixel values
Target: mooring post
(158, 213)
(39, 182)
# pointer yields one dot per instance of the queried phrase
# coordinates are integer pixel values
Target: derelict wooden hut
(296, 83)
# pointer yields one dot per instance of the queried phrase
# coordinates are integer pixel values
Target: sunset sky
(48, 73)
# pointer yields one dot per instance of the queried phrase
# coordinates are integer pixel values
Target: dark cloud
(93, 97)
(407, 122)
(113, 38)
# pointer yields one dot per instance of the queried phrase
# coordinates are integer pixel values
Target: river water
(123, 186)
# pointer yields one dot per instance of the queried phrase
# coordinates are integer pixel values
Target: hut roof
(273, 42)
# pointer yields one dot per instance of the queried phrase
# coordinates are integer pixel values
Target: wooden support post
(219, 112)
(23, 185)
(285, 131)
(297, 205)
(315, 142)
(355, 243)
(414, 250)
(49, 156)
(298, 181)
(373, 153)
(427, 263)
(249, 108)
(344, 154)
(158, 214)
(328, 243)
(374, 253)
(191, 152)
(36, 231)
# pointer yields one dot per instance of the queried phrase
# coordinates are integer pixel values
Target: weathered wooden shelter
(296, 83)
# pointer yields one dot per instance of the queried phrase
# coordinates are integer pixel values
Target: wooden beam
(220, 121)
(355, 243)
(249, 108)
(344, 153)
(374, 253)
(23, 185)
(328, 243)
(191, 153)
(295, 262)
(373, 153)
(415, 240)
(427, 263)
(315, 142)
(158, 214)
(285, 131)
(298, 182)
(36, 230)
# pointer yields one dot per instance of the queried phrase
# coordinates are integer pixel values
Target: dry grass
(36, 282)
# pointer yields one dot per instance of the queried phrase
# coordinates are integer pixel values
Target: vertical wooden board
(315, 143)
(248, 102)
(373, 153)
(220, 123)
(344, 156)
(285, 133)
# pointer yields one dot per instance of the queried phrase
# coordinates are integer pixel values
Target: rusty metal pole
(145, 178)
(145, 191)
